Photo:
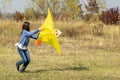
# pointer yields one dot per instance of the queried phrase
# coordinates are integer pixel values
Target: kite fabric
(49, 34)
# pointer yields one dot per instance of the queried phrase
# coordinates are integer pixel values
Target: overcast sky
(20, 4)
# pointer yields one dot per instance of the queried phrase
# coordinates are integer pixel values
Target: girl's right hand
(41, 29)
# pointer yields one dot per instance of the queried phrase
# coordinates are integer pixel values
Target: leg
(24, 60)
(27, 62)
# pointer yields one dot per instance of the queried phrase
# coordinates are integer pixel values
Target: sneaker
(22, 71)
(17, 67)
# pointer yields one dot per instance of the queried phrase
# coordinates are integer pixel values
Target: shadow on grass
(80, 68)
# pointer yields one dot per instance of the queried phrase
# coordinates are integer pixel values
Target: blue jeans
(25, 58)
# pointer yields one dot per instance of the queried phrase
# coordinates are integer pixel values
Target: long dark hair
(25, 26)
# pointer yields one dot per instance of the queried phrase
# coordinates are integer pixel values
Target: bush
(110, 16)
(18, 16)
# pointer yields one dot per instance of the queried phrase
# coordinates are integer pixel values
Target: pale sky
(20, 4)
(113, 3)
(15, 5)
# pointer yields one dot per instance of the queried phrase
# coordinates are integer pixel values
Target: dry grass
(84, 56)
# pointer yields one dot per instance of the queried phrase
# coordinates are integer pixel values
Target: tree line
(66, 10)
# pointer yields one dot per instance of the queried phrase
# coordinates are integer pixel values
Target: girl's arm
(32, 32)
(35, 36)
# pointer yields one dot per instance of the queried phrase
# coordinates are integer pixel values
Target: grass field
(84, 56)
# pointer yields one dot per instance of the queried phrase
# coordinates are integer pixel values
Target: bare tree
(41, 7)
(5, 5)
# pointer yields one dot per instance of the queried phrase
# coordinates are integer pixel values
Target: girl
(23, 44)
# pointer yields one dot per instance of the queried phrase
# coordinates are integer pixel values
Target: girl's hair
(25, 26)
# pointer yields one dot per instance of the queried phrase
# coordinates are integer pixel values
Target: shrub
(18, 16)
(110, 16)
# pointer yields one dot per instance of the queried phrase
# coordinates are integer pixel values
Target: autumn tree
(110, 16)
(74, 8)
(94, 8)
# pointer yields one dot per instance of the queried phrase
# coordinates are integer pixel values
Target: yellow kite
(49, 34)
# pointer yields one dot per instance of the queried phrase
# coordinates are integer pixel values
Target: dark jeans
(25, 58)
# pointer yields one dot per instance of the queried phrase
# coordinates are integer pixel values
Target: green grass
(85, 57)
